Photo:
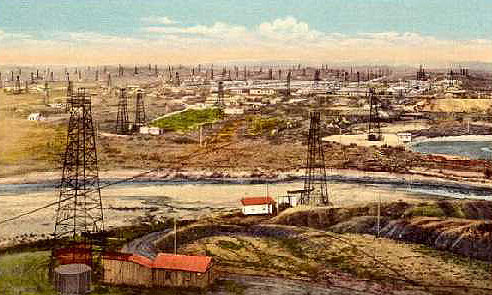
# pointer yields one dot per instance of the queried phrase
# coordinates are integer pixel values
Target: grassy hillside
(188, 119)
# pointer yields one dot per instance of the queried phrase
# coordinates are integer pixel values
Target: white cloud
(13, 36)
(161, 20)
(217, 30)
(288, 28)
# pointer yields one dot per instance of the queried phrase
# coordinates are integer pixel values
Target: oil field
(123, 172)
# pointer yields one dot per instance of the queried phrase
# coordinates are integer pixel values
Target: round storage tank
(73, 279)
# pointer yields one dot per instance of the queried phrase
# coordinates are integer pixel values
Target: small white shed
(257, 205)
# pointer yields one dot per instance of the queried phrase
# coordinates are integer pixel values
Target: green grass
(188, 119)
(25, 273)
(259, 125)
(429, 210)
(230, 245)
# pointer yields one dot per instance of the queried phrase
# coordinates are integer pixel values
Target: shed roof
(182, 262)
(250, 201)
(141, 260)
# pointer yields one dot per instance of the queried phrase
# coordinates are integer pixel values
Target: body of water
(470, 149)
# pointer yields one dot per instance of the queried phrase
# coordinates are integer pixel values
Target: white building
(261, 91)
(35, 117)
(404, 137)
(233, 111)
(257, 205)
(155, 131)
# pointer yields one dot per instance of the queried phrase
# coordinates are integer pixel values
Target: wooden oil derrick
(139, 109)
(315, 191)
(122, 117)
(374, 120)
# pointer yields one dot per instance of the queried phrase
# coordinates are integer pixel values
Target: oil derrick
(17, 86)
(46, 93)
(279, 75)
(358, 79)
(96, 78)
(69, 95)
(374, 120)
(236, 68)
(315, 191)
(212, 74)
(139, 110)
(289, 77)
(122, 117)
(245, 74)
(12, 76)
(177, 82)
(109, 82)
(120, 71)
(27, 87)
(220, 94)
(79, 210)
(135, 71)
(421, 74)
(317, 77)
(156, 71)
(37, 74)
(270, 74)
(32, 78)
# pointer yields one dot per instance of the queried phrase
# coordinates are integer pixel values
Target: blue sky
(449, 21)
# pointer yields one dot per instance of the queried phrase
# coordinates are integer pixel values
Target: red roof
(141, 260)
(183, 262)
(249, 201)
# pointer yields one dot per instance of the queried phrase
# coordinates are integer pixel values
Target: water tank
(73, 279)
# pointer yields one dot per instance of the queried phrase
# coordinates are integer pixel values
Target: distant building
(155, 131)
(257, 205)
(404, 137)
(35, 117)
(233, 111)
(261, 91)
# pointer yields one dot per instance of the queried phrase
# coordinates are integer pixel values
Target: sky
(436, 32)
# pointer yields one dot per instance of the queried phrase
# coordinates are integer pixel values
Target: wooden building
(183, 271)
(127, 269)
(167, 270)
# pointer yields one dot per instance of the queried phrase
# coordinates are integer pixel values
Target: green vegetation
(188, 119)
(25, 273)
(259, 125)
(425, 209)
(230, 245)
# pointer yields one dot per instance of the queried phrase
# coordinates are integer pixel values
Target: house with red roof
(258, 205)
(166, 270)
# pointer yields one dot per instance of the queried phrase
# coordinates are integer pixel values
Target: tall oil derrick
(11, 76)
(245, 74)
(374, 120)
(80, 209)
(270, 74)
(212, 74)
(220, 94)
(304, 72)
(32, 77)
(139, 109)
(279, 75)
(96, 78)
(110, 82)
(122, 117)
(135, 71)
(150, 68)
(358, 79)
(315, 191)
(27, 87)
(156, 71)
(236, 69)
(37, 74)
